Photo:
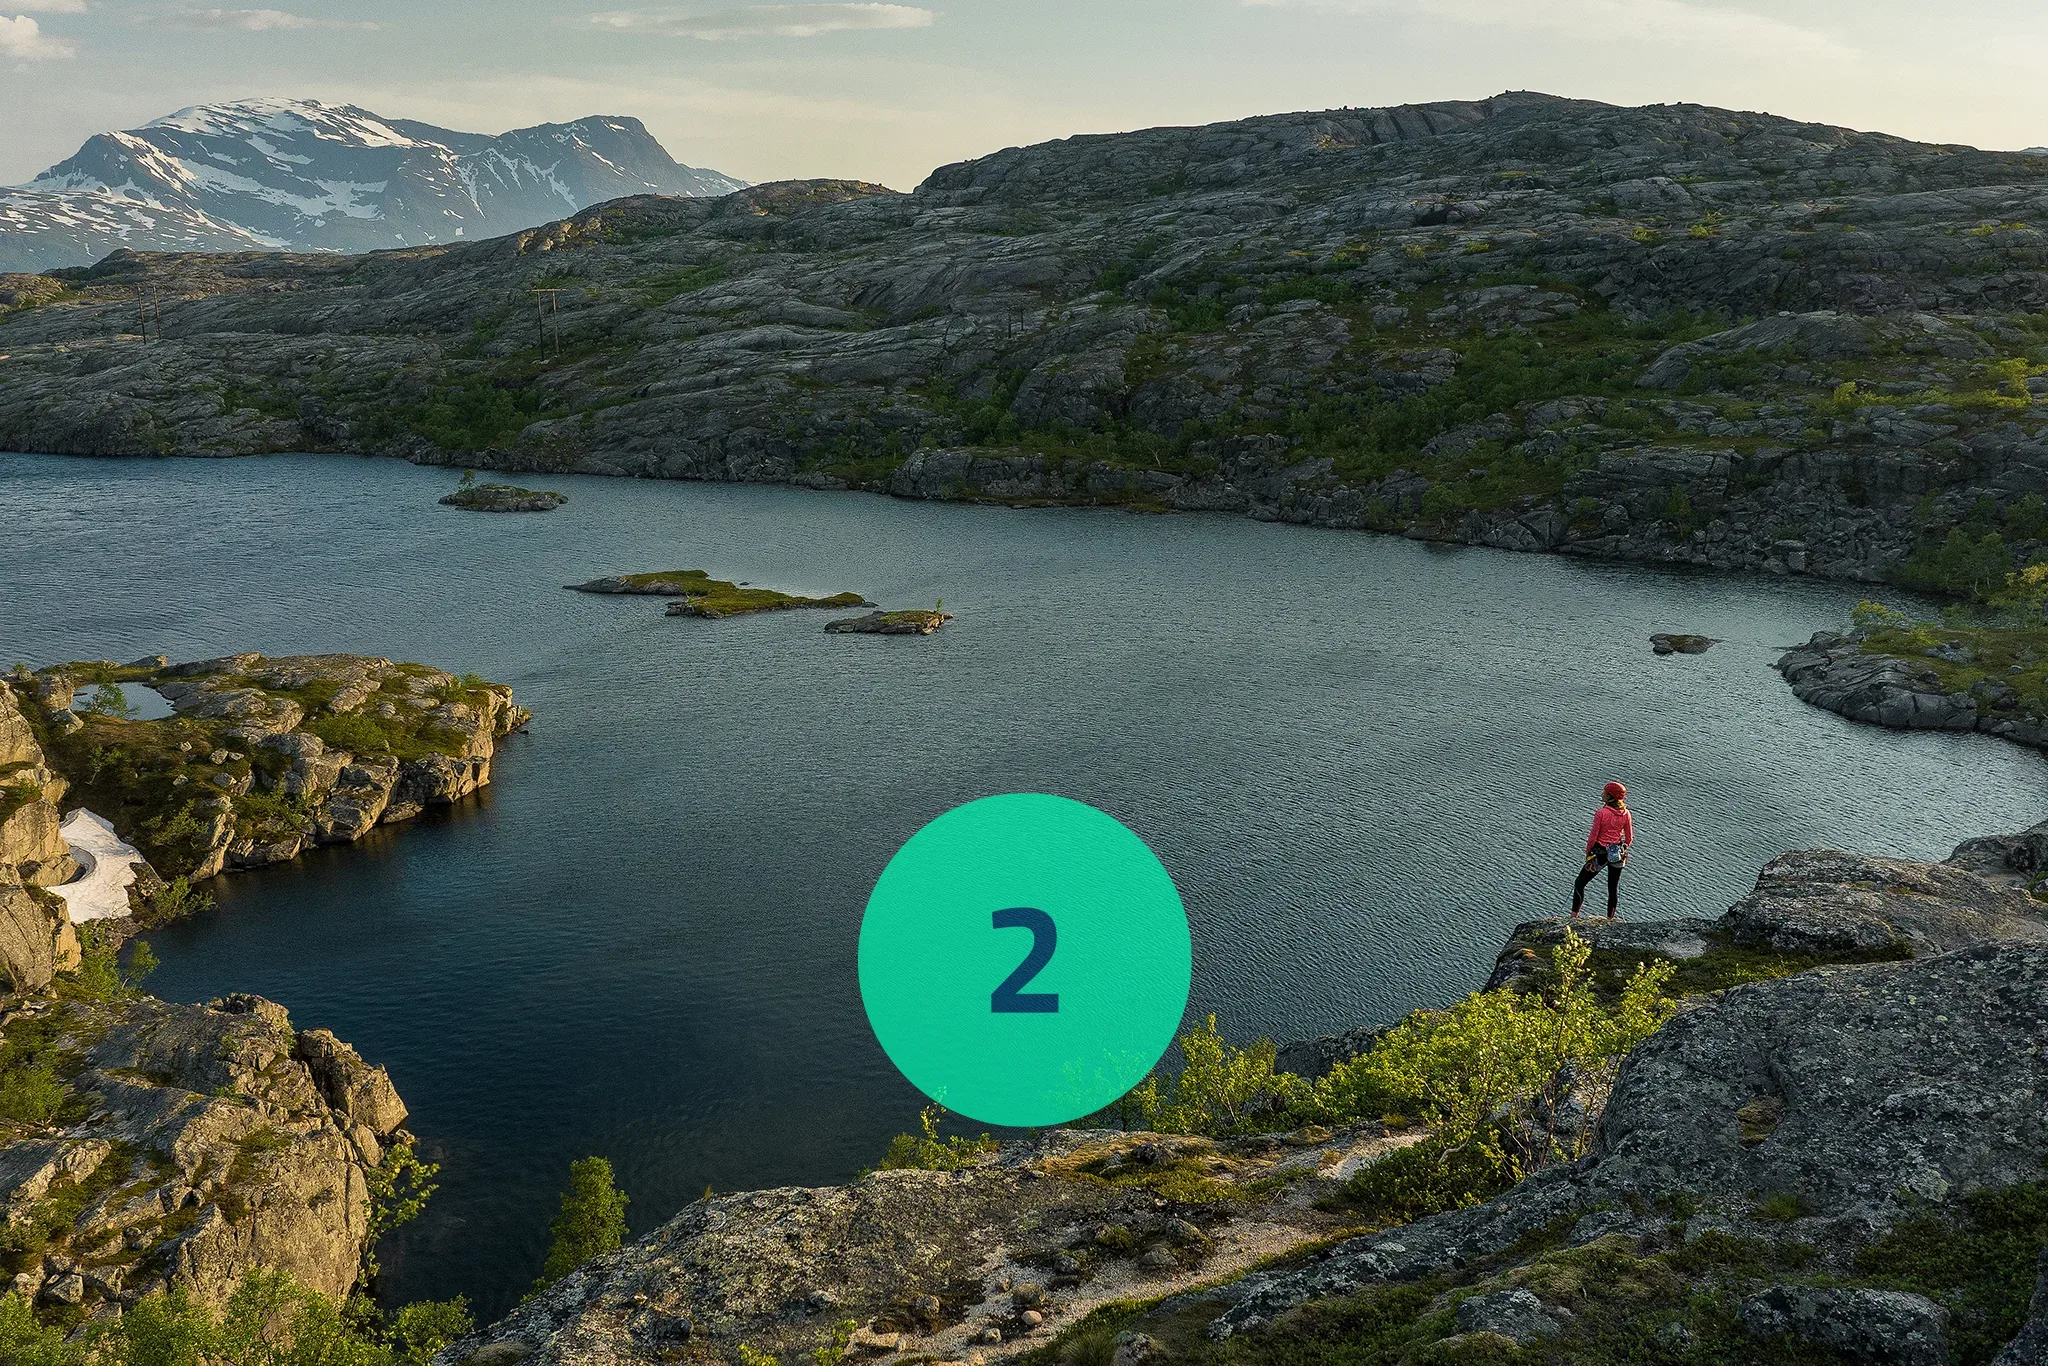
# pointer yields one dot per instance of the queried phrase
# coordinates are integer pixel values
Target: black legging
(1586, 875)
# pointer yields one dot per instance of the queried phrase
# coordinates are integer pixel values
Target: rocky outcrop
(263, 758)
(191, 1145)
(911, 623)
(1846, 675)
(1761, 1139)
(1138, 320)
(504, 498)
(1862, 1092)
(993, 1258)
(1811, 908)
(1667, 643)
(1824, 901)
(37, 939)
(1881, 1327)
(32, 847)
(697, 594)
(681, 583)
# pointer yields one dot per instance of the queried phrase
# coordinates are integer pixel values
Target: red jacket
(1611, 826)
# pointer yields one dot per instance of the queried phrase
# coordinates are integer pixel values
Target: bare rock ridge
(1735, 340)
(1763, 1139)
(192, 1145)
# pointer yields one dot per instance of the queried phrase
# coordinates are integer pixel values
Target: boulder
(37, 940)
(32, 843)
(352, 1088)
(1667, 644)
(17, 741)
(1866, 1327)
(1514, 1314)
(1827, 901)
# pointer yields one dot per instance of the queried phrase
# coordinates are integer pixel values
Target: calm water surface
(1361, 758)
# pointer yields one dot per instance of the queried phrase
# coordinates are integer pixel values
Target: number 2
(1010, 998)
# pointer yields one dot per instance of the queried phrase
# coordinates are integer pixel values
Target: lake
(1361, 758)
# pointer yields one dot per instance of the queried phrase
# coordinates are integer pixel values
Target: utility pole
(149, 308)
(548, 303)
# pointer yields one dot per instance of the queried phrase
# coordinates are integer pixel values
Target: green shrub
(174, 901)
(591, 1223)
(423, 1328)
(1876, 616)
(99, 976)
(1494, 1053)
(1220, 1089)
(110, 700)
(1979, 1264)
(32, 1092)
(400, 1186)
(352, 731)
(1963, 564)
(928, 1152)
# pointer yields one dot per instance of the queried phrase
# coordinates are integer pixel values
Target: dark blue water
(1361, 758)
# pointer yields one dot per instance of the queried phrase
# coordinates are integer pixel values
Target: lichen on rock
(191, 1146)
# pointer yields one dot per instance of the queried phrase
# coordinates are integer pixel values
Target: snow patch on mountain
(300, 175)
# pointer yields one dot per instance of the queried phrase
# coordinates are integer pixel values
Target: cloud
(245, 20)
(1658, 21)
(22, 39)
(767, 21)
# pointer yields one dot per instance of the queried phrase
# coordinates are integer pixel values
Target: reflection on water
(1361, 758)
(130, 700)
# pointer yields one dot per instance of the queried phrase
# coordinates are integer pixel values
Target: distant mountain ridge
(300, 175)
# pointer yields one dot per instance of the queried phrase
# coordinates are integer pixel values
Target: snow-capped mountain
(299, 175)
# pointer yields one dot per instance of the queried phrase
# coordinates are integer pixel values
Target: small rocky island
(1892, 671)
(916, 622)
(260, 758)
(1677, 643)
(697, 594)
(504, 498)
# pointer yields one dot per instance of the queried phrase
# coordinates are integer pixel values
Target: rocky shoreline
(1925, 678)
(1672, 334)
(1849, 1060)
(148, 1147)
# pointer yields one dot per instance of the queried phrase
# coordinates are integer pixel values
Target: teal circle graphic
(1025, 960)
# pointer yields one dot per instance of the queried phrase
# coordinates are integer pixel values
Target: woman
(1614, 831)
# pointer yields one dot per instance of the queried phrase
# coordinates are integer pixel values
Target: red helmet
(1614, 792)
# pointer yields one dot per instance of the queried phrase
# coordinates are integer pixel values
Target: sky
(887, 91)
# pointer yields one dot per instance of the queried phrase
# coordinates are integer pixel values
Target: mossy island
(263, 758)
(477, 497)
(1973, 670)
(916, 622)
(697, 594)
(1677, 643)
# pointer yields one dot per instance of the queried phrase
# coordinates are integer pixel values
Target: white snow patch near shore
(101, 891)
